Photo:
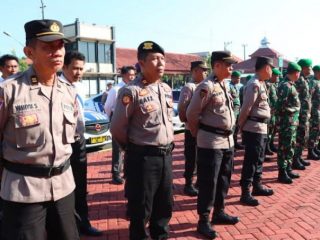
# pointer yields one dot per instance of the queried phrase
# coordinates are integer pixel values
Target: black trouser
(215, 167)
(116, 159)
(149, 192)
(255, 144)
(190, 156)
(78, 160)
(38, 221)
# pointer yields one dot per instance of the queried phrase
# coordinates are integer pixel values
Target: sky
(181, 26)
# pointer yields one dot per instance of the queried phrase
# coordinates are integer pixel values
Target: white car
(97, 132)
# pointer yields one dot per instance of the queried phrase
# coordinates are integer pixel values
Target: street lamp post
(10, 36)
(244, 50)
(42, 9)
(226, 44)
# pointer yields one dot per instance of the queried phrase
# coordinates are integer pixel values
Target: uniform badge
(203, 93)
(28, 120)
(143, 92)
(148, 46)
(149, 108)
(126, 99)
(255, 89)
(54, 27)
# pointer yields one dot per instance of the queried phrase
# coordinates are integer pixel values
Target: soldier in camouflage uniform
(315, 111)
(302, 86)
(272, 86)
(235, 87)
(288, 108)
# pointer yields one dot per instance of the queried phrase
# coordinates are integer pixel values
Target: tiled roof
(175, 63)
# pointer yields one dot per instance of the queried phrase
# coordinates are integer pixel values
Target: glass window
(104, 53)
(83, 48)
(91, 52)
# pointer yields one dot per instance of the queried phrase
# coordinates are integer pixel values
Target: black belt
(151, 150)
(258, 119)
(35, 170)
(215, 130)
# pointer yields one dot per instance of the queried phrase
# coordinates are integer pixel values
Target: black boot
(259, 190)
(220, 217)
(312, 155)
(283, 176)
(268, 150)
(246, 197)
(273, 148)
(304, 162)
(189, 189)
(296, 164)
(316, 150)
(292, 174)
(205, 229)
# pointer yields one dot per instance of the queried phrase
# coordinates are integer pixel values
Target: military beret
(235, 74)
(316, 68)
(305, 62)
(149, 46)
(249, 77)
(225, 56)
(276, 71)
(200, 64)
(262, 61)
(46, 30)
(293, 67)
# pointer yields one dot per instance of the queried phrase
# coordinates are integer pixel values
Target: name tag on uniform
(25, 120)
(25, 107)
(67, 107)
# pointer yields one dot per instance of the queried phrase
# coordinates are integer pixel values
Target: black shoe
(316, 150)
(205, 229)
(190, 190)
(117, 180)
(223, 218)
(90, 231)
(268, 152)
(304, 162)
(248, 200)
(259, 190)
(292, 174)
(297, 164)
(312, 155)
(283, 177)
(238, 146)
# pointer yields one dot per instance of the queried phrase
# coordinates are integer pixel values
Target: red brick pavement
(293, 212)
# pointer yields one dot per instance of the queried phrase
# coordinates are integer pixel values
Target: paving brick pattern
(293, 212)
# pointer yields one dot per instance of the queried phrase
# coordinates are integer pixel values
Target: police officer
(142, 125)
(315, 107)
(198, 73)
(288, 107)
(9, 65)
(211, 120)
(73, 70)
(302, 86)
(235, 87)
(272, 86)
(38, 120)
(253, 121)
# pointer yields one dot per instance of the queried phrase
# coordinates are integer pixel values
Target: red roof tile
(175, 63)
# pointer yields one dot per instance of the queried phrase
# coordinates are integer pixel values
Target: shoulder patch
(255, 88)
(203, 93)
(126, 99)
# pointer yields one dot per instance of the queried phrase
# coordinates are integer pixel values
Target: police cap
(236, 74)
(45, 30)
(262, 61)
(224, 56)
(149, 47)
(200, 64)
(305, 62)
(293, 67)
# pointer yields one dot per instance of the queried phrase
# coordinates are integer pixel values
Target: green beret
(305, 62)
(236, 74)
(249, 77)
(293, 67)
(276, 71)
(316, 68)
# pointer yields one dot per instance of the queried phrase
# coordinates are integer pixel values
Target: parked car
(97, 131)
(94, 103)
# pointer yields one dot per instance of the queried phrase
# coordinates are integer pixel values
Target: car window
(176, 95)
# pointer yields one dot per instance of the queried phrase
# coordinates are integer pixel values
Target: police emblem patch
(149, 107)
(148, 45)
(28, 120)
(126, 99)
(54, 27)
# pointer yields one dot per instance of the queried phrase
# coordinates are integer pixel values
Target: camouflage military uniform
(272, 93)
(235, 94)
(288, 107)
(302, 86)
(314, 85)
